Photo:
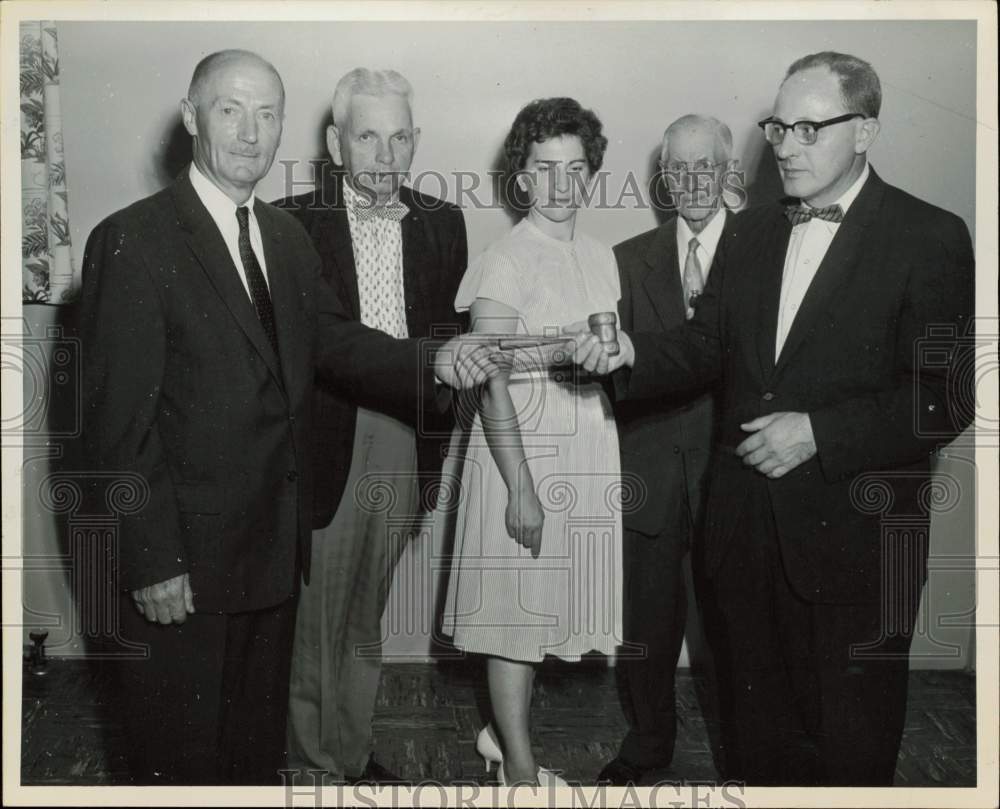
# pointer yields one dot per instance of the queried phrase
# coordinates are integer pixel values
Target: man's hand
(780, 442)
(464, 362)
(591, 354)
(166, 602)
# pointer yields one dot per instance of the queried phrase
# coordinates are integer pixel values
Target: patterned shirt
(378, 259)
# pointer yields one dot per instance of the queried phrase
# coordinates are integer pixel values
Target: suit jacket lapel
(837, 266)
(210, 250)
(283, 293)
(338, 244)
(419, 278)
(331, 234)
(772, 265)
(663, 281)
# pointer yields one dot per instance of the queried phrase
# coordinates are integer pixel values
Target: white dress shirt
(223, 212)
(708, 241)
(806, 248)
(378, 262)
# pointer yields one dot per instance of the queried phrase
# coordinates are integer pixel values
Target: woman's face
(556, 177)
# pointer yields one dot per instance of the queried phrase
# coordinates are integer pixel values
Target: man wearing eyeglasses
(815, 323)
(665, 444)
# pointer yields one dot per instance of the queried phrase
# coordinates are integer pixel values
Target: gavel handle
(515, 343)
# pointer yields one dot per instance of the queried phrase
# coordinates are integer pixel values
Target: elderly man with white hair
(395, 258)
(665, 444)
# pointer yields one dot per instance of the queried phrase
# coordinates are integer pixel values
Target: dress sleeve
(493, 275)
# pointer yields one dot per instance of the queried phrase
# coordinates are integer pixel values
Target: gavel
(604, 326)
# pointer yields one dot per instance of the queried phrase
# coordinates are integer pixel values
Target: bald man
(204, 324)
(665, 443)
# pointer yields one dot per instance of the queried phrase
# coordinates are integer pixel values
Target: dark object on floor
(619, 773)
(375, 774)
(37, 661)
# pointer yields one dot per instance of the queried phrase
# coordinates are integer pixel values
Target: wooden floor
(428, 715)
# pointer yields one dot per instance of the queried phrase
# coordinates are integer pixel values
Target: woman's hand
(525, 517)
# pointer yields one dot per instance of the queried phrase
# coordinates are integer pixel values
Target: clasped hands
(778, 443)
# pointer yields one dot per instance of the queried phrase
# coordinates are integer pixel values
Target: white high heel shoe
(544, 777)
(487, 748)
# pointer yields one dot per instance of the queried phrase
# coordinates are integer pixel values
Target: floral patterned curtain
(48, 272)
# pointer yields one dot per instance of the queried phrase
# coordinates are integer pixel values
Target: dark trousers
(655, 613)
(816, 693)
(208, 704)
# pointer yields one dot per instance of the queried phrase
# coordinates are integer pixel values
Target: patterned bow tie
(797, 214)
(393, 211)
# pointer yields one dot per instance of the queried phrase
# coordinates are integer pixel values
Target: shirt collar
(353, 198)
(537, 233)
(220, 206)
(709, 237)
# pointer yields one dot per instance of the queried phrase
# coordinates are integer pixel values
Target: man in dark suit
(204, 321)
(816, 322)
(665, 443)
(395, 258)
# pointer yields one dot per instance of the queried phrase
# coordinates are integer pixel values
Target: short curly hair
(547, 118)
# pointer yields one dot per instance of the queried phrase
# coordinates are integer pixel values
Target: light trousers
(337, 654)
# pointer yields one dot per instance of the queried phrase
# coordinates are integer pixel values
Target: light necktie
(694, 281)
(255, 279)
(797, 214)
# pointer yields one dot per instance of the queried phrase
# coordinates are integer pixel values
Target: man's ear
(333, 144)
(189, 117)
(866, 135)
(734, 193)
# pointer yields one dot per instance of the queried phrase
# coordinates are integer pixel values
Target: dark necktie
(797, 214)
(255, 279)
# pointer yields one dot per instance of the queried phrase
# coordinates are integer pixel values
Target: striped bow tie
(797, 214)
(394, 211)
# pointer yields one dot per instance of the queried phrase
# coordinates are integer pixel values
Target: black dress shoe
(619, 773)
(375, 774)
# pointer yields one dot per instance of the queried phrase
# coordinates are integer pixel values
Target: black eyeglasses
(805, 132)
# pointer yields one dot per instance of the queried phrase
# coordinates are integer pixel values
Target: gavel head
(604, 326)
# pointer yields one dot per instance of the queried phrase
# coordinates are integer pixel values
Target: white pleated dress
(568, 601)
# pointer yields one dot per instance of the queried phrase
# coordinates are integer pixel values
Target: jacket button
(677, 450)
(768, 396)
(292, 476)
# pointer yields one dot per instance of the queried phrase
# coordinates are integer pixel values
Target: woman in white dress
(537, 563)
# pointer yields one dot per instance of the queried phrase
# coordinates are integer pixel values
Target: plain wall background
(121, 84)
